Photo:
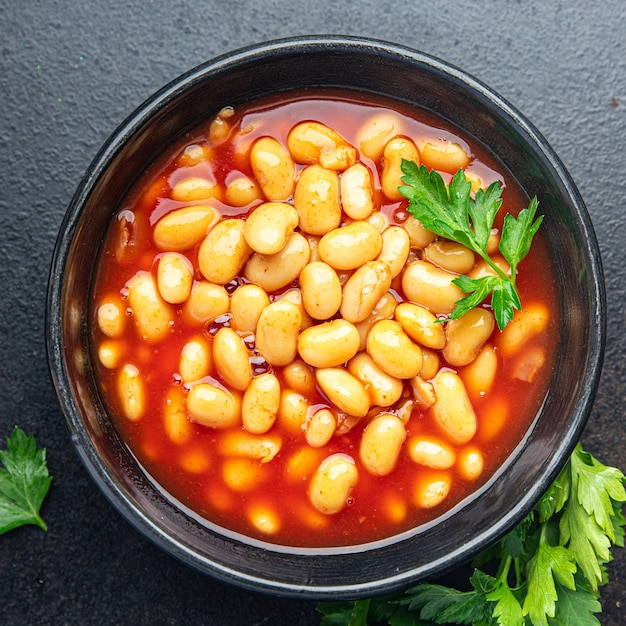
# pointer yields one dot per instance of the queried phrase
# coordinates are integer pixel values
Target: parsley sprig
(24, 482)
(451, 212)
(548, 569)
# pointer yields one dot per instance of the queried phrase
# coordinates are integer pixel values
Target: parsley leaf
(24, 482)
(444, 605)
(596, 486)
(442, 210)
(507, 609)
(549, 567)
(336, 613)
(587, 526)
(383, 610)
(452, 213)
(517, 234)
(576, 607)
(586, 540)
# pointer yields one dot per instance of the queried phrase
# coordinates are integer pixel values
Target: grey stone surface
(70, 72)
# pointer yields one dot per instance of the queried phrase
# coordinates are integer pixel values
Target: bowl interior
(367, 67)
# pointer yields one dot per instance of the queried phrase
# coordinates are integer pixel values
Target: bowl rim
(103, 160)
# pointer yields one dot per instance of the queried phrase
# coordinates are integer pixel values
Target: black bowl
(370, 67)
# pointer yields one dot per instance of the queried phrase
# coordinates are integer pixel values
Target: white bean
(294, 295)
(357, 195)
(480, 374)
(376, 132)
(381, 444)
(344, 390)
(332, 483)
(263, 447)
(112, 318)
(321, 290)
(241, 475)
(153, 317)
(349, 247)
(383, 310)
(265, 519)
(174, 277)
(194, 189)
(246, 305)
(269, 227)
(450, 256)
(175, 421)
(482, 269)
(131, 229)
(395, 249)
(260, 404)
(364, 290)
(316, 198)
(430, 363)
(194, 155)
(419, 236)
(131, 392)
(471, 463)
(313, 142)
(425, 284)
(206, 302)
(196, 360)
(194, 460)
(277, 332)
(393, 351)
(466, 336)
(379, 221)
(431, 452)
(525, 325)
(383, 390)
(453, 410)
(110, 353)
(420, 325)
(232, 359)
(273, 168)
(320, 428)
(432, 489)
(328, 344)
(221, 126)
(241, 191)
(224, 251)
(292, 412)
(529, 363)
(396, 149)
(299, 377)
(302, 463)
(275, 271)
(423, 391)
(213, 406)
(445, 155)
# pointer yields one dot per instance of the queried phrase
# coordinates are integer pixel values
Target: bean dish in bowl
(254, 327)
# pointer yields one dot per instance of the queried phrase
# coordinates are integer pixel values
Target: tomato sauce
(269, 500)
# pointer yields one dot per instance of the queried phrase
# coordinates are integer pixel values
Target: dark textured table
(71, 71)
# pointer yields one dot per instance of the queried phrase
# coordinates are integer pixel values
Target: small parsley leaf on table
(24, 482)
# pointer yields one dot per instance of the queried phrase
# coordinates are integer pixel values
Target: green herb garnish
(451, 212)
(24, 482)
(548, 569)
